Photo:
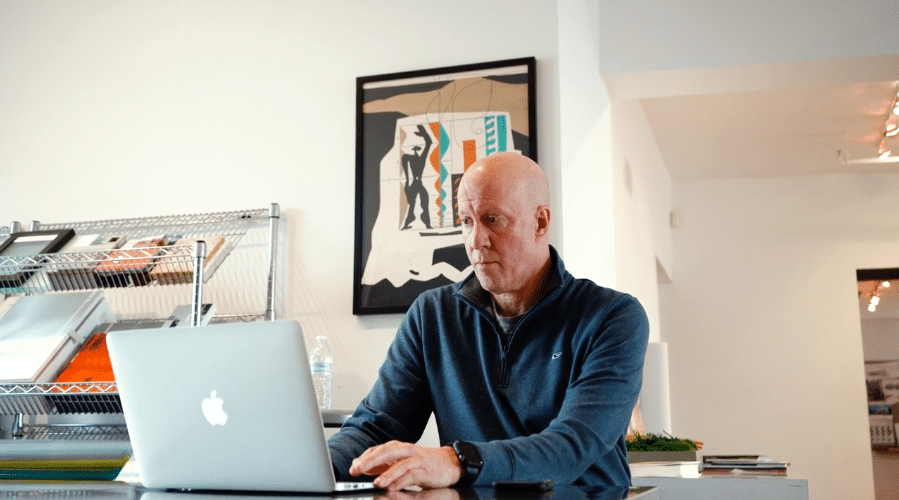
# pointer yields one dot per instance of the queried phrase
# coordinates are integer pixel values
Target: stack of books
(742, 464)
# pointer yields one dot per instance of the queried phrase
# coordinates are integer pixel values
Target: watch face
(468, 455)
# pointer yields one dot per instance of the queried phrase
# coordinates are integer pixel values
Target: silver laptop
(223, 407)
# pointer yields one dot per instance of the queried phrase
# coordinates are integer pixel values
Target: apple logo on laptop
(212, 410)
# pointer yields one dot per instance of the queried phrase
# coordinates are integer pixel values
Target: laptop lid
(223, 406)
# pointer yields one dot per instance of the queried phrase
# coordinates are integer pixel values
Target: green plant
(655, 442)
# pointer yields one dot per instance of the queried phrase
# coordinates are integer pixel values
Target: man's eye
(492, 219)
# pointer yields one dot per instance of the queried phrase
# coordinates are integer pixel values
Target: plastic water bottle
(320, 361)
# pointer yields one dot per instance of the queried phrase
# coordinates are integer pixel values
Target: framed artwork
(416, 133)
(17, 263)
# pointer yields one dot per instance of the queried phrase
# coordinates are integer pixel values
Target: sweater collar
(470, 288)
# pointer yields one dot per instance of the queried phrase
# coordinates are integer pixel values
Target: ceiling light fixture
(875, 300)
(883, 150)
(874, 295)
(889, 126)
(891, 129)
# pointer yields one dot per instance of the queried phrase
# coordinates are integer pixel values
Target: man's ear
(543, 217)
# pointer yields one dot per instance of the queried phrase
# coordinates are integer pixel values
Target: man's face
(499, 227)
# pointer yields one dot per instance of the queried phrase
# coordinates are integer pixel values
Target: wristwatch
(471, 462)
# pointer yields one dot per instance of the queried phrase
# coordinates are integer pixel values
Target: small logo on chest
(557, 355)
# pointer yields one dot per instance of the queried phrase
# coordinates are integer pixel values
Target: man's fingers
(377, 459)
(399, 465)
(409, 477)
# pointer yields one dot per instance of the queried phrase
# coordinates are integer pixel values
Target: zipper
(503, 371)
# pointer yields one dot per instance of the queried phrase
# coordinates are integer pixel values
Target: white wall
(117, 108)
(586, 146)
(761, 319)
(617, 193)
(763, 322)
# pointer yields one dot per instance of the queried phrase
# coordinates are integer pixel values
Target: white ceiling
(791, 131)
(773, 124)
(773, 120)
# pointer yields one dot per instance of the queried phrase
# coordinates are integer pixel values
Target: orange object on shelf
(91, 364)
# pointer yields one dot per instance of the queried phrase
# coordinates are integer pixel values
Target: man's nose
(478, 237)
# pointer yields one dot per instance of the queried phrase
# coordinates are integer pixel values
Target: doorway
(878, 301)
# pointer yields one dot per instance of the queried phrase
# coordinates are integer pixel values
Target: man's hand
(399, 465)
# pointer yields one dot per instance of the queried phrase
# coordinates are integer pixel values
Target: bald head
(515, 170)
(504, 208)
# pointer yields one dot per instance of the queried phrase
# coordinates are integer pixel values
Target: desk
(125, 491)
(335, 418)
(729, 487)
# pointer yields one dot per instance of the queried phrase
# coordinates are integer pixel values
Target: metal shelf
(65, 432)
(59, 398)
(130, 267)
(176, 263)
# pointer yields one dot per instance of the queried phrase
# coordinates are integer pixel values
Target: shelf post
(17, 427)
(274, 216)
(196, 304)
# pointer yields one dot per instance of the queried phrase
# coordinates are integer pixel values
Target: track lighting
(891, 129)
(890, 126)
(883, 150)
(874, 295)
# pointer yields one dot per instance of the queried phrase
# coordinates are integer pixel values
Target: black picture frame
(416, 132)
(13, 272)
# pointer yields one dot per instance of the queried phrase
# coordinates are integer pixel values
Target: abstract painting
(417, 132)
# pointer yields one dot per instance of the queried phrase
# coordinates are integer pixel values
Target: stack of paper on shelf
(174, 270)
(742, 464)
(40, 333)
(75, 271)
(130, 267)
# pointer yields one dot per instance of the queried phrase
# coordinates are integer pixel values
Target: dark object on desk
(25, 244)
(523, 486)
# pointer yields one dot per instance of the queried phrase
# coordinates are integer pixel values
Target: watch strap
(470, 460)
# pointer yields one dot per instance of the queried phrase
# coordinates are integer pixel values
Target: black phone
(524, 486)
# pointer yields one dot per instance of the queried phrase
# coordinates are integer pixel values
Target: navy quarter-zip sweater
(553, 402)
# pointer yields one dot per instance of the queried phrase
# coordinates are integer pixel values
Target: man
(530, 373)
